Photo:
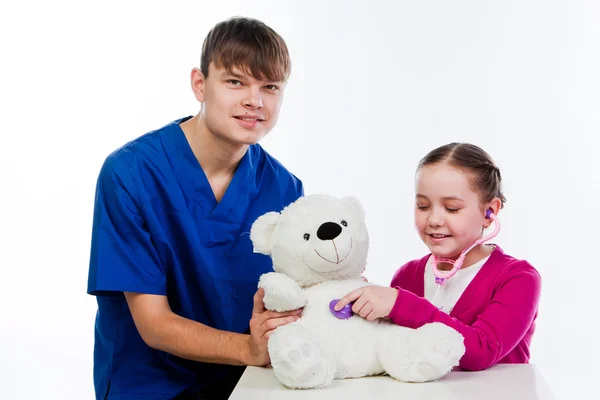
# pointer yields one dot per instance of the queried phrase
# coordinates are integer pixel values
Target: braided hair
(485, 177)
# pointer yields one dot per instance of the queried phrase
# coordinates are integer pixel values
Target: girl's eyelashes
(449, 209)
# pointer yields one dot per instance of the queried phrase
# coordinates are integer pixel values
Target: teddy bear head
(317, 238)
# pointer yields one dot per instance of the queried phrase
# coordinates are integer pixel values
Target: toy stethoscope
(442, 276)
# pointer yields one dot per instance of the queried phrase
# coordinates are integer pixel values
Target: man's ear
(357, 205)
(261, 232)
(197, 81)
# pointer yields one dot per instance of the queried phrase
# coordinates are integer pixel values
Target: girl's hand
(370, 302)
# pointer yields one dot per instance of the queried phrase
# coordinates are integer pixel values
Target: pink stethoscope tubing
(442, 276)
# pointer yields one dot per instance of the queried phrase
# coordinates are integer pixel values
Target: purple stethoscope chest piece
(344, 313)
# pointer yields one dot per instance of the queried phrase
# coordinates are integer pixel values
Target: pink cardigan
(496, 313)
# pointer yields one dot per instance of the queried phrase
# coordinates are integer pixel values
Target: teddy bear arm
(282, 293)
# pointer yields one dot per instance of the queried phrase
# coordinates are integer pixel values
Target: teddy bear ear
(261, 232)
(356, 204)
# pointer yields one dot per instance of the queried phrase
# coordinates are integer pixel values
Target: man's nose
(253, 98)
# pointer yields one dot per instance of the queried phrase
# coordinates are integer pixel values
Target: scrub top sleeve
(295, 191)
(123, 258)
(300, 188)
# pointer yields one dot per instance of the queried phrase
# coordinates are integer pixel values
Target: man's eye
(234, 82)
(272, 87)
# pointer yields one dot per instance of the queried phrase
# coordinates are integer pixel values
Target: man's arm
(162, 329)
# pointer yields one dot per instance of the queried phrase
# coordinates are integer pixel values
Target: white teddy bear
(319, 247)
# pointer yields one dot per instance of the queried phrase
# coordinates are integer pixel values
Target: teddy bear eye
(306, 236)
(344, 223)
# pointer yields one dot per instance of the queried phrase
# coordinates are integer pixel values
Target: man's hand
(262, 325)
(371, 301)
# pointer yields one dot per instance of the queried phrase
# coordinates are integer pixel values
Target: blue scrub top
(158, 229)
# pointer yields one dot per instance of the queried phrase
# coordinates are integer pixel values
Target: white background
(373, 88)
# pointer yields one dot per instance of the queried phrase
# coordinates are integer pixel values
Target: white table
(501, 382)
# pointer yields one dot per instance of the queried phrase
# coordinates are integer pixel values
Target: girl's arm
(495, 332)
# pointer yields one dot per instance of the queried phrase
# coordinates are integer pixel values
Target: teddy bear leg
(420, 355)
(299, 359)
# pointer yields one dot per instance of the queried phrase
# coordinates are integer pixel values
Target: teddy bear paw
(299, 362)
(422, 355)
(281, 292)
(443, 349)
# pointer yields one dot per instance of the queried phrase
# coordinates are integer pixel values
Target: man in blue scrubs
(171, 263)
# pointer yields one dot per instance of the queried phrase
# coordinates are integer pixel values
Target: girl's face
(448, 213)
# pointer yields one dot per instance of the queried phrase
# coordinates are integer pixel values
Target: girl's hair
(485, 175)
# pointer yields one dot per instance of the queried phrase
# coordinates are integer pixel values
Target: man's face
(237, 107)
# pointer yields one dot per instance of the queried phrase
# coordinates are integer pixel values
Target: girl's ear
(495, 206)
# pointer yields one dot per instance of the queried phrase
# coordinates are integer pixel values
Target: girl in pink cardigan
(493, 299)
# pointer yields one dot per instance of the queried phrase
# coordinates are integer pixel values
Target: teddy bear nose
(329, 231)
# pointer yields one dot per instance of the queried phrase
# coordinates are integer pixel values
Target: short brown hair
(247, 44)
(485, 175)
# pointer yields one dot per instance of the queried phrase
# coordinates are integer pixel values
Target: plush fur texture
(319, 247)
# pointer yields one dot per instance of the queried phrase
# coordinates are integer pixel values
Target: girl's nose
(435, 219)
